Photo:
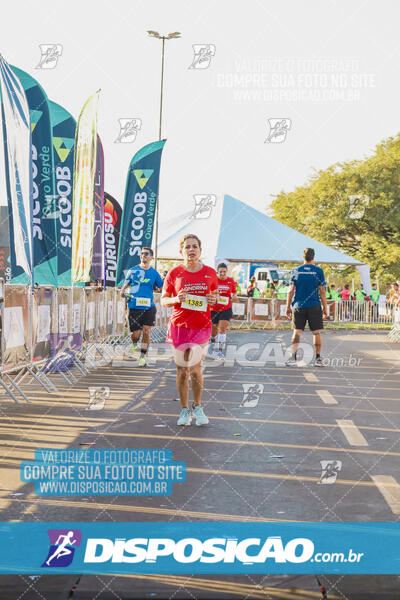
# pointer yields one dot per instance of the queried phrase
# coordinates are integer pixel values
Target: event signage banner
(64, 126)
(139, 207)
(112, 226)
(16, 128)
(206, 547)
(5, 250)
(43, 198)
(97, 273)
(83, 191)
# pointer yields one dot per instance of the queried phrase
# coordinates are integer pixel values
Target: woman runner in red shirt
(190, 288)
(221, 313)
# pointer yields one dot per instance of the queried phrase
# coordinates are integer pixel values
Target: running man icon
(62, 547)
(62, 550)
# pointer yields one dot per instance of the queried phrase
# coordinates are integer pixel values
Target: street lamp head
(174, 34)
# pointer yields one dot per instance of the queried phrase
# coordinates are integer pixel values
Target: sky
(327, 72)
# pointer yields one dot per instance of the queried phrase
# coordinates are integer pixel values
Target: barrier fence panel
(89, 334)
(354, 311)
(159, 310)
(16, 332)
(120, 313)
(45, 331)
(331, 309)
(77, 317)
(61, 335)
(279, 309)
(158, 333)
(110, 298)
(64, 307)
(44, 321)
(260, 310)
(101, 318)
(239, 311)
(103, 347)
(394, 333)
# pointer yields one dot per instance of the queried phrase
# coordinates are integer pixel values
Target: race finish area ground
(283, 444)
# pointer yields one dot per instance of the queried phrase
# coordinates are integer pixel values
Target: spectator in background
(96, 284)
(251, 287)
(334, 293)
(274, 288)
(282, 291)
(345, 296)
(359, 293)
(394, 295)
(374, 295)
(268, 291)
(256, 291)
(345, 292)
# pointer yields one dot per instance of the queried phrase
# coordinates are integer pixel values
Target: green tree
(353, 207)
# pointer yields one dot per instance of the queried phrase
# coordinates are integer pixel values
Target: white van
(265, 274)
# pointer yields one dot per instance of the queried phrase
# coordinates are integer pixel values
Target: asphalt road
(259, 459)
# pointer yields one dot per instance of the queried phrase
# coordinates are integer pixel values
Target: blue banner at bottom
(221, 548)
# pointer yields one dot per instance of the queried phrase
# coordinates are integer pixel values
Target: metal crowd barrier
(258, 312)
(49, 334)
(394, 333)
(354, 311)
(262, 312)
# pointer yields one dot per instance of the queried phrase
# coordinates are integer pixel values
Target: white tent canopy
(237, 232)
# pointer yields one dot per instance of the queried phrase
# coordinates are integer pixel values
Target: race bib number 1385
(192, 302)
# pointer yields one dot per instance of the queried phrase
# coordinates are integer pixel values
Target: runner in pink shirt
(345, 292)
(190, 288)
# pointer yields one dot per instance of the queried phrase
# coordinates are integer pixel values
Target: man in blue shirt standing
(141, 281)
(307, 290)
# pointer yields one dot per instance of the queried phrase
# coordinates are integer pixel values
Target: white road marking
(326, 397)
(390, 490)
(310, 377)
(351, 432)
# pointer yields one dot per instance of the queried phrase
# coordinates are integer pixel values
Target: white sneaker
(132, 350)
(291, 362)
(185, 418)
(201, 418)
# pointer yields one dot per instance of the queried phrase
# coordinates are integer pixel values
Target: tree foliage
(353, 207)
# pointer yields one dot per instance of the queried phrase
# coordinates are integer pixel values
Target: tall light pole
(170, 36)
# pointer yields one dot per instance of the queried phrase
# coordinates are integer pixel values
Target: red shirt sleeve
(214, 281)
(169, 283)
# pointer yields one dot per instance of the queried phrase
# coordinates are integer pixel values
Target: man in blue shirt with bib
(307, 290)
(141, 281)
